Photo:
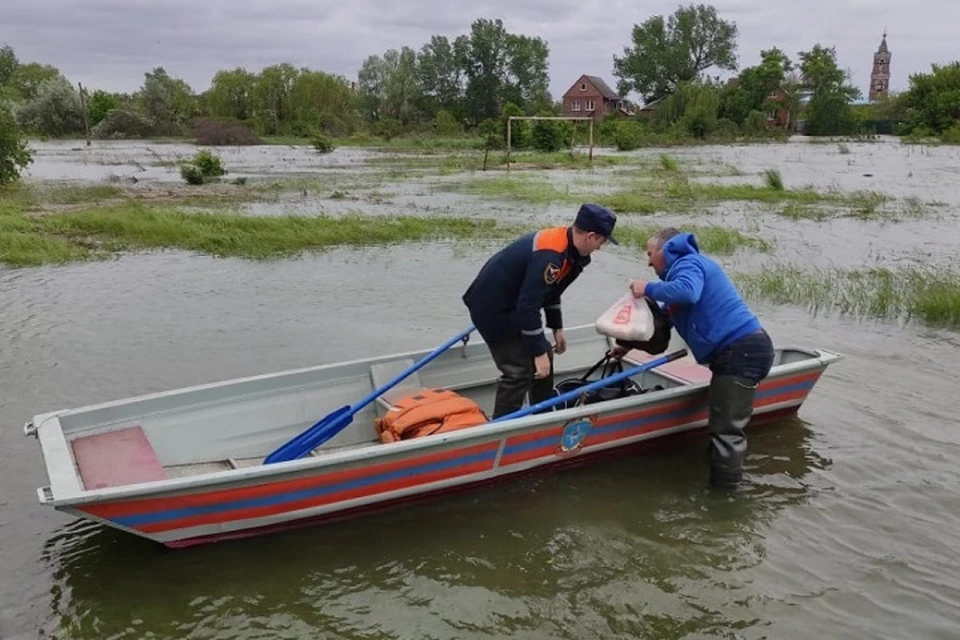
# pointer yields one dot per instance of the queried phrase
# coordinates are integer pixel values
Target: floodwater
(848, 526)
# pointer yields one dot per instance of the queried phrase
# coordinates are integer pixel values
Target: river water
(848, 525)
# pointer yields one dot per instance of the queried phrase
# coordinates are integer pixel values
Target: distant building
(880, 76)
(591, 97)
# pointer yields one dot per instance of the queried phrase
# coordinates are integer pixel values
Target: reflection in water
(635, 545)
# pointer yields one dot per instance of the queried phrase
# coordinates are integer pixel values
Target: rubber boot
(731, 405)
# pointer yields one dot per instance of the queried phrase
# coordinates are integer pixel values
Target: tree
(755, 85)
(440, 78)
(388, 85)
(231, 94)
(166, 100)
(55, 111)
(14, 153)
(668, 52)
(828, 112)
(932, 103)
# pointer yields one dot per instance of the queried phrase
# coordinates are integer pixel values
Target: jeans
(737, 371)
(516, 379)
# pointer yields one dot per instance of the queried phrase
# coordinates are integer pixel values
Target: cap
(593, 217)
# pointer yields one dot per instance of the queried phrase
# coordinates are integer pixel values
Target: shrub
(121, 123)
(223, 132)
(191, 173)
(322, 143)
(205, 164)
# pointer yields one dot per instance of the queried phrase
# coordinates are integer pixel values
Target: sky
(110, 44)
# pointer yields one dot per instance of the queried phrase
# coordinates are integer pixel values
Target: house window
(771, 115)
(576, 106)
(583, 86)
(619, 104)
(591, 105)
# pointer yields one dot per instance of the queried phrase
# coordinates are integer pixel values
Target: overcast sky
(109, 44)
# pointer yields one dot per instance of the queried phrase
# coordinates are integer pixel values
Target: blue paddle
(333, 423)
(617, 377)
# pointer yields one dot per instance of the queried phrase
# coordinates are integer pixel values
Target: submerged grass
(648, 194)
(99, 232)
(927, 294)
(711, 238)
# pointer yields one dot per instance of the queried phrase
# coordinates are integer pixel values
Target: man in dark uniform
(516, 283)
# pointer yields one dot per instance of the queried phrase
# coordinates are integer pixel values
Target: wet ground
(847, 528)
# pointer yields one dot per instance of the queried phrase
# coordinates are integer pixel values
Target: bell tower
(880, 76)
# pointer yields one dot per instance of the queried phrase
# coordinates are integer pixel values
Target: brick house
(590, 96)
(779, 114)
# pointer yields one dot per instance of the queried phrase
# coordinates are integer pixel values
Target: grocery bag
(628, 318)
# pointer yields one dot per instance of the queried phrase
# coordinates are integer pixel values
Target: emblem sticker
(551, 274)
(573, 435)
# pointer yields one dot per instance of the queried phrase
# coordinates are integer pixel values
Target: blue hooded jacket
(704, 306)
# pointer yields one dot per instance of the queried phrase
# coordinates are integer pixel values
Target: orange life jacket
(427, 412)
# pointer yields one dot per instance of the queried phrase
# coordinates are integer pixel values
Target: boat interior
(236, 423)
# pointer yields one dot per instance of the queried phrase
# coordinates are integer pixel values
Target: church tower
(880, 76)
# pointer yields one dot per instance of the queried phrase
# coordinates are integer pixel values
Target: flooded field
(847, 527)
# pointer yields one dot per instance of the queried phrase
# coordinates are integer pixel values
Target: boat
(187, 466)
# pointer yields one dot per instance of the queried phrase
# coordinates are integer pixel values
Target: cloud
(110, 44)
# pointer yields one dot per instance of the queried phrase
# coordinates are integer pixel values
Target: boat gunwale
(820, 359)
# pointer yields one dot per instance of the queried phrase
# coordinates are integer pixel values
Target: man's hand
(618, 352)
(542, 364)
(638, 288)
(560, 341)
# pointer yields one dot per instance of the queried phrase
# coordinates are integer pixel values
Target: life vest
(426, 412)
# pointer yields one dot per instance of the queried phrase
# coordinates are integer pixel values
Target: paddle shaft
(603, 382)
(414, 367)
(336, 421)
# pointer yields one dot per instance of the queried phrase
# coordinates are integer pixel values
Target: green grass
(647, 195)
(99, 232)
(926, 294)
(38, 195)
(711, 239)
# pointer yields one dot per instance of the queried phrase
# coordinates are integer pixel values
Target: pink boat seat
(685, 369)
(116, 458)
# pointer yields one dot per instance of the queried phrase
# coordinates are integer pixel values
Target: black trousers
(516, 380)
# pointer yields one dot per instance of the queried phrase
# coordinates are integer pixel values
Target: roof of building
(604, 88)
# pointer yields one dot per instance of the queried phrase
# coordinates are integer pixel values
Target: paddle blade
(327, 427)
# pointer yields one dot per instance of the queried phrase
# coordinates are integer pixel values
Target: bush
(122, 123)
(550, 135)
(322, 143)
(223, 132)
(202, 166)
(446, 125)
(14, 154)
(628, 136)
(191, 173)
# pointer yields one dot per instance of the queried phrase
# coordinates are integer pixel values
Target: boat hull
(350, 481)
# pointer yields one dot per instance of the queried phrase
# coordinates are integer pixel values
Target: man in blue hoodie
(721, 331)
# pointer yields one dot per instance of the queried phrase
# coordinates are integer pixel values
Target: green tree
(232, 94)
(388, 86)
(14, 153)
(55, 111)
(828, 112)
(671, 51)
(273, 89)
(932, 102)
(755, 86)
(100, 105)
(167, 101)
(440, 78)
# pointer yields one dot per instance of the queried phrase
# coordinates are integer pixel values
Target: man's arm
(533, 292)
(684, 287)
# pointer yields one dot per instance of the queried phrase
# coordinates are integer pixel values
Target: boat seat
(685, 370)
(116, 458)
(384, 372)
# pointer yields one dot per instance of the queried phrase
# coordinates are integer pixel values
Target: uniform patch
(551, 274)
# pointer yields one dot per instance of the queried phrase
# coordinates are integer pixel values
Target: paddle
(602, 382)
(333, 423)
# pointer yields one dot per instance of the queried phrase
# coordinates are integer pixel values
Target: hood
(678, 246)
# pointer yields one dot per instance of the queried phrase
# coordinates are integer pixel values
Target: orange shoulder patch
(554, 239)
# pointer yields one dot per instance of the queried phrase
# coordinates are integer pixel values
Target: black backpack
(611, 366)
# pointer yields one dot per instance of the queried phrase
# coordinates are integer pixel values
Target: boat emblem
(573, 435)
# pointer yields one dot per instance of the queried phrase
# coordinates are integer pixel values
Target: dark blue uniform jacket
(529, 274)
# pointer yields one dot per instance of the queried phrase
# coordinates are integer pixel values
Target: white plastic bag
(628, 318)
